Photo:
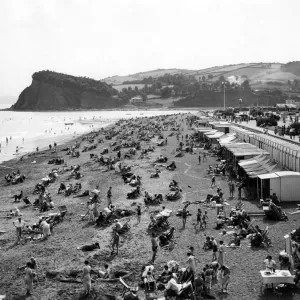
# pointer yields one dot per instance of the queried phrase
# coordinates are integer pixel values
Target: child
(213, 181)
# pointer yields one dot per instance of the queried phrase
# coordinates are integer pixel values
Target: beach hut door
(275, 186)
(266, 188)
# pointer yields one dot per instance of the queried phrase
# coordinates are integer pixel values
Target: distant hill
(118, 80)
(260, 75)
(57, 91)
(254, 83)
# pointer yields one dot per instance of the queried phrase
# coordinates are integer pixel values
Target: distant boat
(128, 114)
(69, 123)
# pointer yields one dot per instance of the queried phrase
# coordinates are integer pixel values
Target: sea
(23, 132)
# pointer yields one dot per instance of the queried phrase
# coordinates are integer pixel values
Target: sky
(103, 38)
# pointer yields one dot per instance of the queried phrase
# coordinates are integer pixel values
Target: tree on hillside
(166, 92)
(210, 76)
(203, 78)
(136, 89)
(246, 85)
(158, 85)
(222, 78)
(146, 88)
(144, 97)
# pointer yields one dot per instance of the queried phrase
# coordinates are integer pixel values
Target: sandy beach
(59, 252)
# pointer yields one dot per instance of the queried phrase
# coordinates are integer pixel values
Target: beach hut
(221, 126)
(285, 184)
(202, 130)
(213, 138)
(239, 151)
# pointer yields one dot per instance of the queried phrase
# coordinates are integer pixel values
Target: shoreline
(117, 109)
(63, 141)
(42, 141)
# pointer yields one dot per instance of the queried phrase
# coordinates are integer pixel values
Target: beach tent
(285, 184)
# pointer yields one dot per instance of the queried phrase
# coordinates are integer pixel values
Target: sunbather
(89, 247)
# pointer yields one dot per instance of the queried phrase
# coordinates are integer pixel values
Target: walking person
(199, 215)
(204, 157)
(214, 249)
(231, 188)
(119, 154)
(86, 278)
(199, 158)
(198, 284)
(213, 181)
(154, 243)
(192, 264)
(29, 275)
(225, 275)
(19, 226)
(115, 241)
(109, 203)
(184, 216)
(204, 218)
(221, 253)
(139, 213)
(91, 212)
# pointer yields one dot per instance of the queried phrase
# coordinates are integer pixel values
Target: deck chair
(27, 202)
(126, 288)
(250, 225)
(62, 210)
(125, 228)
(266, 240)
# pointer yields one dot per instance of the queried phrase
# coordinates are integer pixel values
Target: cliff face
(45, 96)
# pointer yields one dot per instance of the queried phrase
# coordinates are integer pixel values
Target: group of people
(188, 280)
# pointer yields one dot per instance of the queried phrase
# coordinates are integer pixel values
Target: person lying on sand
(89, 247)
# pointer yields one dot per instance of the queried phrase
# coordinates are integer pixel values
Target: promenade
(251, 125)
(282, 149)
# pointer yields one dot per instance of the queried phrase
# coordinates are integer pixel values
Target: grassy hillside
(260, 75)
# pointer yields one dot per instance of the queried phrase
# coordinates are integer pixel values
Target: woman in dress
(86, 278)
(91, 212)
(221, 254)
(29, 274)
